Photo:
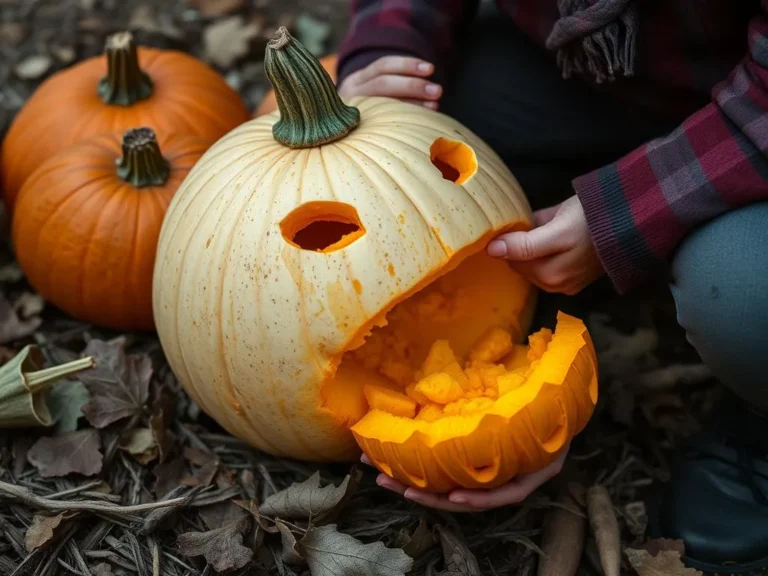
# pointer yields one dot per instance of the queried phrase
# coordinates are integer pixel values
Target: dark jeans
(549, 130)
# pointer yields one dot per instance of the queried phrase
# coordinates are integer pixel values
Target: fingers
(397, 65)
(545, 240)
(394, 86)
(511, 493)
(437, 501)
(400, 77)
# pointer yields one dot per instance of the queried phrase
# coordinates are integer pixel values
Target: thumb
(524, 246)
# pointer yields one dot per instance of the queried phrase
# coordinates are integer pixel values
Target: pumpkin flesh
(444, 395)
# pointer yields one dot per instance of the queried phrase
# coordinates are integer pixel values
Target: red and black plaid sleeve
(640, 207)
(422, 28)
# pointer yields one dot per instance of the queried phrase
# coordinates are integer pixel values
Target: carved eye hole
(455, 160)
(322, 226)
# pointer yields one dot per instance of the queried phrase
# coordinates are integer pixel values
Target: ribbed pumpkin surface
(188, 97)
(254, 325)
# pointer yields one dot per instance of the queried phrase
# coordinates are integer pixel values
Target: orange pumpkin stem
(125, 83)
(142, 163)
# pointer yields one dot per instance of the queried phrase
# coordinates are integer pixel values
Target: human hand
(558, 255)
(511, 493)
(400, 77)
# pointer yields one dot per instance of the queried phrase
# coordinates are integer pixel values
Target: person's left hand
(558, 254)
(511, 493)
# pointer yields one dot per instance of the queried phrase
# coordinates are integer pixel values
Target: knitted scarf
(595, 37)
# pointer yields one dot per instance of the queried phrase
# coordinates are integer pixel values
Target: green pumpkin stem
(142, 163)
(311, 111)
(125, 83)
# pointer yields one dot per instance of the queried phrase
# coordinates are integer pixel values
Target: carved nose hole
(322, 226)
(455, 160)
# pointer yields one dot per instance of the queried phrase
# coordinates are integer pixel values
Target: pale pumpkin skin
(229, 288)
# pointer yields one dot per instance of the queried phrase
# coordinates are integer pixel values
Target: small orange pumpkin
(124, 88)
(269, 103)
(87, 221)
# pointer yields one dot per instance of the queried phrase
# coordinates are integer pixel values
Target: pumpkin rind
(253, 325)
(187, 96)
(86, 239)
(519, 433)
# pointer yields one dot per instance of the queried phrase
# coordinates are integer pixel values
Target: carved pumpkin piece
(321, 286)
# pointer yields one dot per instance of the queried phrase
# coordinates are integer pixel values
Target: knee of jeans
(720, 285)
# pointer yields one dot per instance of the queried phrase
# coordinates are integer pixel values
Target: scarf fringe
(598, 39)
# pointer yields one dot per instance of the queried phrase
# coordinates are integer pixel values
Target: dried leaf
(332, 553)
(223, 548)
(664, 563)
(168, 476)
(213, 8)
(656, 545)
(33, 67)
(66, 399)
(458, 558)
(73, 452)
(163, 411)
(253, 508)
(118, 384)
(140, 444)
(290, 553)
(227, 40)
(41, 531)
(199, 457)
(417, 543)
(308, 501)
(207, 463)
(12, 327)
(220, 514)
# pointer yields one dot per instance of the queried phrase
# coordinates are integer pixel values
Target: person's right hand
(400, 77)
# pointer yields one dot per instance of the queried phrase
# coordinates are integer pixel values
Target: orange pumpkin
(269, 103)
(124, 88)
(87, 221)
(322, 285)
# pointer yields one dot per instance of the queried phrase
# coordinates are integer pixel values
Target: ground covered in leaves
(134, 480)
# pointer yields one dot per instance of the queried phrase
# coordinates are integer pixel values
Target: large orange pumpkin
(269, 103)
(322, 284)
(87, 221)
(124, 88)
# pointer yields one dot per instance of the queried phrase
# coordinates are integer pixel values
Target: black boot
(717, 500)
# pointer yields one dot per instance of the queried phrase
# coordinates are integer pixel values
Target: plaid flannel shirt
(704, 60)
